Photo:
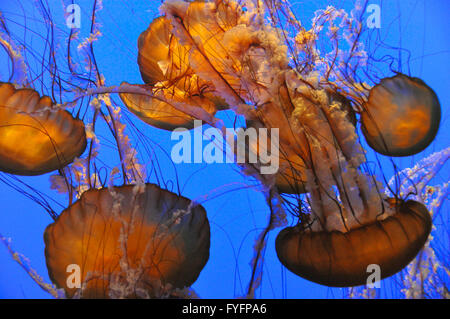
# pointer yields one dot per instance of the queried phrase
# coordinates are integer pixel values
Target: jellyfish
(291, 177)
(318, 134)
(401, 117)
(276, 113)
(34, 138)
(164, 65)
(128, 242)
(339, 259)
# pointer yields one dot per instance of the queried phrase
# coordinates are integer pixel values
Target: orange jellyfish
(339, 259)
(164, 65)
(34, 138)
(128, 242)
(291, 178)
(401, 117)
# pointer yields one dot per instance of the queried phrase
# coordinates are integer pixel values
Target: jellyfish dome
(340, 259)
(34, 138)
(401, 117)
(128, 241)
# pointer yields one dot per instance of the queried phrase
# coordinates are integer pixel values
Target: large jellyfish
(341, 259)
(35, 138)
(128, 241)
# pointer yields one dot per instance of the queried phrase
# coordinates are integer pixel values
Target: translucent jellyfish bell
(128, 241)
(401, 117)
(204, 26)
(164, 65)
(161, 57)
(35, 139)
(339, 259)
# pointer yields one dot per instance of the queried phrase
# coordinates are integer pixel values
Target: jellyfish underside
(164, 66)
(339, 259)
(35, 139)
(401, 117)
(129, 241)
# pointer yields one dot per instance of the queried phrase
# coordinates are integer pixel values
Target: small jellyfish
(401, 117)
(34, 138)
(339, 259)
(128, 241)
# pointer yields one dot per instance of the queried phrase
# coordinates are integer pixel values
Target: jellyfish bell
(160, 55)
(339, 259)
(34, 138)
(290, 111)
(164, 64)
(290, 176)
(162, 58)
(401, 117)
(130, 238)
